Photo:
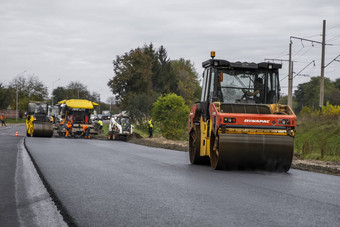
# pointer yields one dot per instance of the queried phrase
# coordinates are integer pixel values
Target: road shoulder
(34, 204)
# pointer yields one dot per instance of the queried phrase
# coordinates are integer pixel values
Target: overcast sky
(78, 40)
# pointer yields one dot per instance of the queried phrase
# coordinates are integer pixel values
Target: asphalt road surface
(24, 201)
(114, 183)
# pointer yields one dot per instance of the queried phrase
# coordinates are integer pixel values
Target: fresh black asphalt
(8, 159)
(24, 200)
(114, 183)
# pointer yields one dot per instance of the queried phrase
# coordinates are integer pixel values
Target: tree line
(30, 88)
(27, 88)
(307, 94)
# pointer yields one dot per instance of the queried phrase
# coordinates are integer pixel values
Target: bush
(172, 114)
(328, 112)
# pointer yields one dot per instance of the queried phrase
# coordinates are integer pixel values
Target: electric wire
(333, 38)
(332, 27)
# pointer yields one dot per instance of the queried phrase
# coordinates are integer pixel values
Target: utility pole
(290, 77)
(322, 76)
(16, 100)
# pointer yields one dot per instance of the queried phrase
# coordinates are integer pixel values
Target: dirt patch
(308, 165)
(317, 166)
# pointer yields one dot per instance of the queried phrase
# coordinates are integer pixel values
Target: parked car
(93, 117)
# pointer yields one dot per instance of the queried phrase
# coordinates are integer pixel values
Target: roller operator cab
(238, 123)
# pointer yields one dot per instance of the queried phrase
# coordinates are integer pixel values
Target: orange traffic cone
(16, 133)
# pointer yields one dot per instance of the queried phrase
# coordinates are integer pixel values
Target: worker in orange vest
(68, 128)
(2, 118)
(86, 131)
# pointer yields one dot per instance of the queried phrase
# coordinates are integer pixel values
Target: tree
(77, 90)
(74, 90)
(133, 73)
(29, 88)
(308, 93)
(138, 106)
(163, 78)
(59, 94)
(337, 83)
(172, 113)
(187, 82)
(4, 97)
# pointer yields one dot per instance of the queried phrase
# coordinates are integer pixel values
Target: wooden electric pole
(322, 78)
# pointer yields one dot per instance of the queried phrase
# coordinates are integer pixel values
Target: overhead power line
(333, 27)
(334, 38)
(335, 59)
(305, 68)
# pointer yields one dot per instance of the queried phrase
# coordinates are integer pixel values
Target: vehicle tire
(215, 159)
(194, 148)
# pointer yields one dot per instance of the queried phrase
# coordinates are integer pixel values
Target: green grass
(13, 121)
(318, 140)
(105, 129)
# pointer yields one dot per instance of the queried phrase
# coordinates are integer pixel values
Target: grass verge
(318, 140)
(14, 121)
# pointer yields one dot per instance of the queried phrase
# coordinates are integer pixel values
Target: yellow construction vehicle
(238, 123)
(76, 111)
(37, 121)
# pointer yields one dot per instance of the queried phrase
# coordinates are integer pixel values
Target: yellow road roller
(238, 123)
(38, 124)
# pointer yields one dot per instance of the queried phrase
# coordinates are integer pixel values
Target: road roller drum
(43, 129)
(246, 151)
(37, 121)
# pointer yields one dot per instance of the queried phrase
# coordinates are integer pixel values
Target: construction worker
(150, 127)
(68, 128)
(86, 131)
(258, 89)
(100, 124)
(2, 118)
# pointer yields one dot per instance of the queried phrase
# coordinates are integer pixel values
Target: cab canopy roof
(78, 103)
(240, 65)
